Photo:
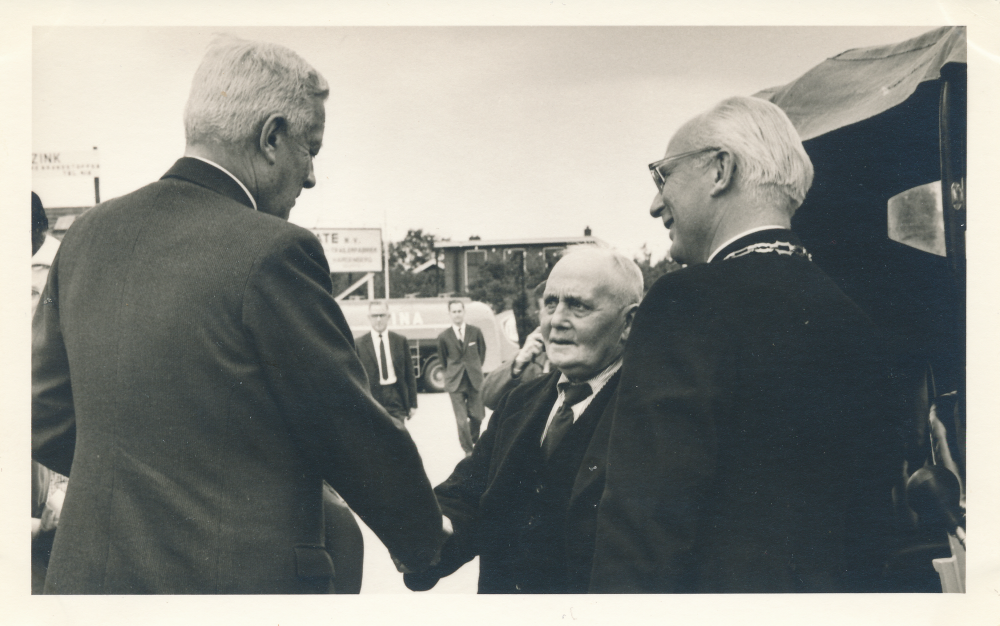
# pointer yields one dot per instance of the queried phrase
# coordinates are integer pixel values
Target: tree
(507, 283)
(651, 272)
(414, 250)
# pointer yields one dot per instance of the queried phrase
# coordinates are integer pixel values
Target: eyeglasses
(659, 177)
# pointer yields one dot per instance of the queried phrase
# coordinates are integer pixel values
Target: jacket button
(539, 488)
(517, 586)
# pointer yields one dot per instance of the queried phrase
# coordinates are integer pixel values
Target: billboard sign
(351, 249)
(65, 163)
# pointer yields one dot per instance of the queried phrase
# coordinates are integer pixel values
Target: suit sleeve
(53, 419)
(442, 350)
(481, 345)
(662, 447)
(459, 496)
(500, 381)
(407, 373)
(313, 372)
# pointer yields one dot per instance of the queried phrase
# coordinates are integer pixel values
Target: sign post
(68, 165)
(353, 250)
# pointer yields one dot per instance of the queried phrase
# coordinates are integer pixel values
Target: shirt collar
(740, 236)
(238, 181)
(598, 381)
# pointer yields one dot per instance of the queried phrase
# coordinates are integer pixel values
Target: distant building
(61, 218)
(463, 259)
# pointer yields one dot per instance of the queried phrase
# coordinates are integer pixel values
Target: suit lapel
(521, 433)
(593, 465)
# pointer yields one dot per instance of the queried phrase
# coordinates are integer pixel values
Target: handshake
(446, 532)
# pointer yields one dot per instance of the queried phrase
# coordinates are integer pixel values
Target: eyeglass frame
(654, 168)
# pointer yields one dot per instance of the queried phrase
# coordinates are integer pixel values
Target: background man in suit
(386, 357)
(526, 500)
(194, 377)
(529, 363)
(462, 351)
(749, 450)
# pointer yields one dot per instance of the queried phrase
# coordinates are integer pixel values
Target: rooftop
(531, 241)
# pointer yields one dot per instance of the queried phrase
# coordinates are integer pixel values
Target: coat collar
(210, 177)
(762, 236)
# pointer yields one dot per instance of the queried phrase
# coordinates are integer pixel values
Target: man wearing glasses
(386, 358)
(749, 451)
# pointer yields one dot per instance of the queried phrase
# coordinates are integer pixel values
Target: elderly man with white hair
(195, 378)
(525, 501)
(750, 451)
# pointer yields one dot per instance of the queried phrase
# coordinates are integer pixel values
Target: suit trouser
(467, 403)
(391, 400)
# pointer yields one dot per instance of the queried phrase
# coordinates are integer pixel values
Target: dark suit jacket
(194, 377)
(501, 381)
(750, 452)
(495, 497)
(399, 350)
(458, 359)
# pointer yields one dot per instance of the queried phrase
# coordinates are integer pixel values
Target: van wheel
(433, 376)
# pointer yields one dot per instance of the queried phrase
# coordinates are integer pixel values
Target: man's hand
(413, 412)
(533, 346)
(446, 531)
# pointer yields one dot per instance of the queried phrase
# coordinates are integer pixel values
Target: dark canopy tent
(876, 122)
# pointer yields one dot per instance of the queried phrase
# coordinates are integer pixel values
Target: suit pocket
(313, 563)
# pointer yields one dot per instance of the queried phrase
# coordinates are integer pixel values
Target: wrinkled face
(378, 317)
(582, 323)
(293, 168)
(681, 203)
(457, 313)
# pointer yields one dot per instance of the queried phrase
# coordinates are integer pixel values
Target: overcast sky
(500, 132)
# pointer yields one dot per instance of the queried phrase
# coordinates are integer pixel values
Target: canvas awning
(863, 82)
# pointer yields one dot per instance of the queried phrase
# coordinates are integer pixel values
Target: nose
(656, 209)
(559, 319)
(310, 180)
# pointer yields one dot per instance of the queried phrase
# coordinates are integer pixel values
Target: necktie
(381, 348)
(563, 419)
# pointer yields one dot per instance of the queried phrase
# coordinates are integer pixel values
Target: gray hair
(628, 287)
(770, 159)
(240, 83)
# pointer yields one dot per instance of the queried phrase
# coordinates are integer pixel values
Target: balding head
(590, 300)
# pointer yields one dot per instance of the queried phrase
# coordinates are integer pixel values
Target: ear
(271, 133)
(724, 168)
(629, 318)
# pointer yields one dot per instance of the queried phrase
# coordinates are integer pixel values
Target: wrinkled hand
(446, 531)
(533, 346)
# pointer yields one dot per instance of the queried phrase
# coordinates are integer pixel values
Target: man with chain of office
(750, 449)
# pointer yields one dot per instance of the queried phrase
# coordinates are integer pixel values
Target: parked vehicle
(421, 320)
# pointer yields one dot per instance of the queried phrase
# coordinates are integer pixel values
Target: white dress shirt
(391, 380)
(596, 384)
(460, 332)
(238, 181)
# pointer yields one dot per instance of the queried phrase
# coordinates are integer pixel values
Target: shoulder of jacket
(533, 387)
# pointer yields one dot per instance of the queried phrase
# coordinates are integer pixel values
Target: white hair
(240, 83)
(770, 160)
(628, 287)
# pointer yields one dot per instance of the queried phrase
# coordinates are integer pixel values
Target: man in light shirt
(462, 350)
(526, 500)
(751, 449)
(386, 357)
